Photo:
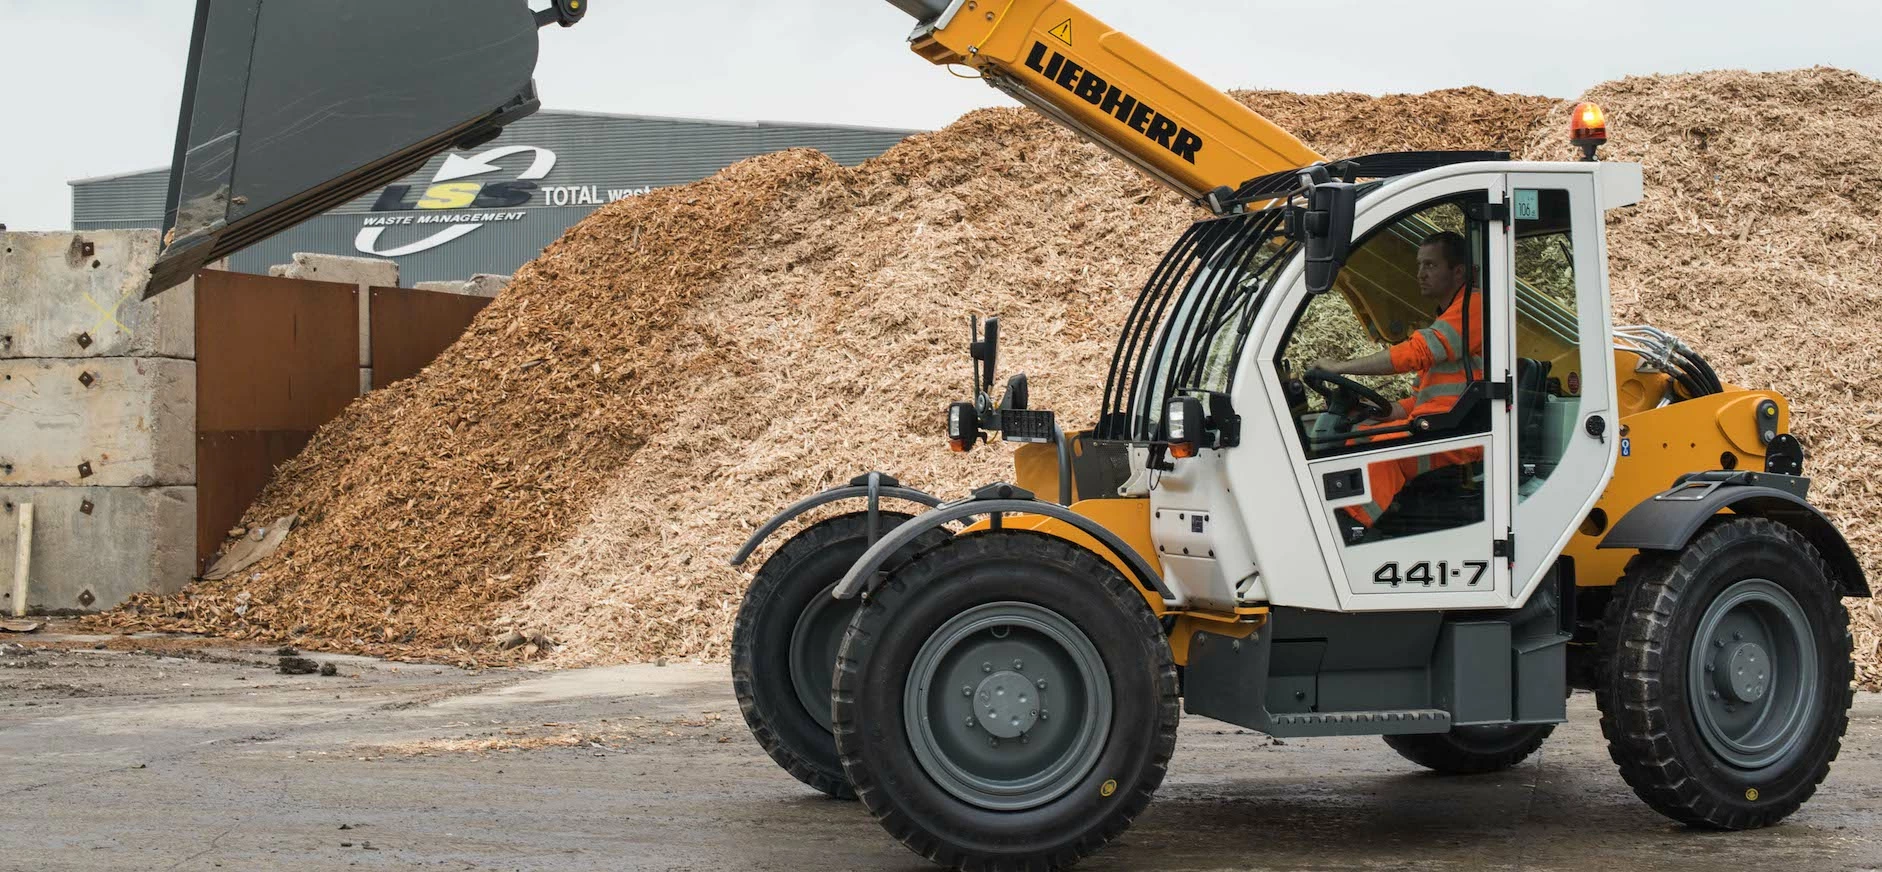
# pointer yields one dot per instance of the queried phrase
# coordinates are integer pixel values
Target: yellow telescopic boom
(1109, 88)
(1114, 91)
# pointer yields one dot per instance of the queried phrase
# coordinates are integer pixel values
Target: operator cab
(1460, 417)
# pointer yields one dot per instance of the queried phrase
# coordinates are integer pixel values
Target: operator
(1439, 357)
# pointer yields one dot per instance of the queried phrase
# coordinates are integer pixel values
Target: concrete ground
(167, 753)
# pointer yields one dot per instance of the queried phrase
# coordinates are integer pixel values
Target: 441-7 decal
(1425, 573)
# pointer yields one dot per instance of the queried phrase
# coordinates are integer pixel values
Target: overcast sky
(92, 88)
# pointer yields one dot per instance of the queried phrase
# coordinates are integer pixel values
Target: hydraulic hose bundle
(1692, 376)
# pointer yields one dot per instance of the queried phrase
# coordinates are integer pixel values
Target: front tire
(1006, 701)
(1472, 750)
(785, 640)
(1726, 684)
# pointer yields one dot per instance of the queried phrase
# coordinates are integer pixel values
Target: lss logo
(446, 191)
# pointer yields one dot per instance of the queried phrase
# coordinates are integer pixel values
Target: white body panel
(1266, 519)
(1197, 523)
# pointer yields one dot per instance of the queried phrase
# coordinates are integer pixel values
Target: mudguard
(1668, 520)
(996, 500)
(872, 486)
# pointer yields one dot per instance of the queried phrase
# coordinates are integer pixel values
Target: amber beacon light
(1588, 128)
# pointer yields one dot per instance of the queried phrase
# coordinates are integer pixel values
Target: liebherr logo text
(1092, 88)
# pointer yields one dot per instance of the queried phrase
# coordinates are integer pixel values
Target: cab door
(1415, 509)
(1565, 428)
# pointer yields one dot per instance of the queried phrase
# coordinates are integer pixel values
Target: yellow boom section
(1113, 90)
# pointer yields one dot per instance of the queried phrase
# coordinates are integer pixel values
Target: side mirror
(1327, 225)
(1016, 394)
(985, 349)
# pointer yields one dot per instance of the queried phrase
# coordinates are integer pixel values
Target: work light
(1183, 426)
(963, 426)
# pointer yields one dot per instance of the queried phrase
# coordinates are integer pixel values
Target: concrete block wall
(94, 547)
(97, 419)
(479, 285)
(98, 410)
(66, 295)
(114, 421)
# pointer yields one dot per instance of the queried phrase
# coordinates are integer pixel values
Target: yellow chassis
(1663, 443)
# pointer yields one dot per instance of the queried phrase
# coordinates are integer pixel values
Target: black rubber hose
(1686, 383)
(1712, 375)
(1696, 367)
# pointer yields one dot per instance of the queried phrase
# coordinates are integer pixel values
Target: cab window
(1399, 338)
(1392, 357)
(1548, 347)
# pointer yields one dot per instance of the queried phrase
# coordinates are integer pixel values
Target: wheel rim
(1007, 706)
(814, 643)
(1753, 674)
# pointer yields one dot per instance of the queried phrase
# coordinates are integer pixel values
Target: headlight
(1183, 426)
(963, 426)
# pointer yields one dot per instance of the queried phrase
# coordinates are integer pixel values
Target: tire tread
(1065, 556)
(767, 583)
(1447, 754)
(1634, 640)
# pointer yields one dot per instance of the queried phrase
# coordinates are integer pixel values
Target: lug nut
(1019, 664)
(1041, 683)
(994, 741)
(970, 720)
(986, 667)
(968, 691)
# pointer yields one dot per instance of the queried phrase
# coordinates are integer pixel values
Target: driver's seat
(1444, 498)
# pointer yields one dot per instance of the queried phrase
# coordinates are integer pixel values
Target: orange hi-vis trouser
(1444, 370)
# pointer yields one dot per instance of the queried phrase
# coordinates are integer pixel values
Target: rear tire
(1472, 750)
(1726, 682)
(787, 625)
(1006, 701)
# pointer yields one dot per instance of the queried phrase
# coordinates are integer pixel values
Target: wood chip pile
(427, 505)
(681, 365)
(1757, 244)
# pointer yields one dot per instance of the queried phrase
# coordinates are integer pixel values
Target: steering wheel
(1344, 396)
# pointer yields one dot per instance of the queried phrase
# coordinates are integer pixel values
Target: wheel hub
(1753, 675)
(814, 642)
(1743, 671)
(1007, 704)
(976, 712)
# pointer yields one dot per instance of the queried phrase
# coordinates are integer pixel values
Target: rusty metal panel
(276, 358)
(273, 353)
(410, 328)
(242, 462)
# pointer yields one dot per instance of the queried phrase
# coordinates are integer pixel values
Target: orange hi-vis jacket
(1437, 354)
(1444, 366)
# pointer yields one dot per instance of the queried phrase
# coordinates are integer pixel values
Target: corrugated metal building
(493, 210)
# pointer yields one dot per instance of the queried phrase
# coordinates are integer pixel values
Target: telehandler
(1520, 499)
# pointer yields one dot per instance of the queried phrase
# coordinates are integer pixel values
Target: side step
(1374, 723)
